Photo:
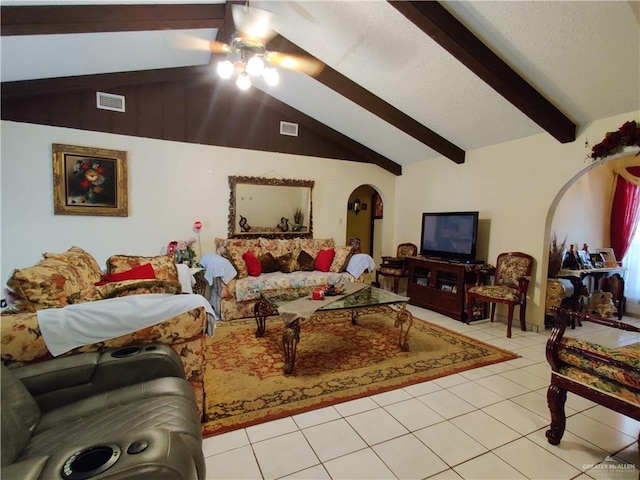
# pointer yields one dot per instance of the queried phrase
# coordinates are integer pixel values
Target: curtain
(625, 210)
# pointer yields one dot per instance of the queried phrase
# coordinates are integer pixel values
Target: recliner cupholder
(126, 352)
(90, 462)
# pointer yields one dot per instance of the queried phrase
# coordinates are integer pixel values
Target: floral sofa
(73, 278)
(257, 265)
(607, 376)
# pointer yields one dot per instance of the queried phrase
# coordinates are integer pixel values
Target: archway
(581, 211)
(363, 218)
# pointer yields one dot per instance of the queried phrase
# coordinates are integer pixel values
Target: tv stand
(438, 285)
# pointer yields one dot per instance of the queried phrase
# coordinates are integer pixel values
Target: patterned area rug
(336, 362)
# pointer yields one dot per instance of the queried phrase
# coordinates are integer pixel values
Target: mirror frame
(274, 182)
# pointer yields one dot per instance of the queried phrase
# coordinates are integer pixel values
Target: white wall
(514, 185)
(171, 185)
(583, 213)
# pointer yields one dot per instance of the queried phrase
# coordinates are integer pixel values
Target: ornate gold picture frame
(89, 181)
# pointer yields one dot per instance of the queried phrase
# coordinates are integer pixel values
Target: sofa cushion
(124, 288)
(236, 248)
(88, 268)
(143, 272)
(254, 268)
(46, 284)
(313, 245)
(269, 263)
(305, 262)
(278, 247)
(341, 258)
(250, 288)
(323, 260)
(603, 384)
(586, 356)
(287, 263)
(164, 266)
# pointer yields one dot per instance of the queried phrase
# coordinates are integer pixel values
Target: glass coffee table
(353, 304)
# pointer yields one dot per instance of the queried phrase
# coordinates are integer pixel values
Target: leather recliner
(119, 414)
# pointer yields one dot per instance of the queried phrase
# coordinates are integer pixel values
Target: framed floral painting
(89, 181)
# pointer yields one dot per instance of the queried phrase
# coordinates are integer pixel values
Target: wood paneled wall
(198, 109)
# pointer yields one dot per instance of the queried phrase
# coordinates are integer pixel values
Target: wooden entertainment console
(439, 285)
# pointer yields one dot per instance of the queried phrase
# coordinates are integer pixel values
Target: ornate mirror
(270, 207)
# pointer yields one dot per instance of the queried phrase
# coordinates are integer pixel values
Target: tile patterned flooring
(486, 423)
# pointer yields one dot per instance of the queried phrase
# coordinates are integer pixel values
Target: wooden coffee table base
(291, 333)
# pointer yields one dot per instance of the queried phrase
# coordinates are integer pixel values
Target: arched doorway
(581, 211)
(362, 221)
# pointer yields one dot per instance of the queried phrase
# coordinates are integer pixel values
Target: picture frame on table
(596, 260)
(89, 181)
(584, 260)
(609, 257)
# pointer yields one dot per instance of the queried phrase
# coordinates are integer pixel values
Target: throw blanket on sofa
(66, 328)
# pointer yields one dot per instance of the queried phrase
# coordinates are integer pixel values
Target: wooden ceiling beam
(434, 20)
(64, 19)
(367, 100)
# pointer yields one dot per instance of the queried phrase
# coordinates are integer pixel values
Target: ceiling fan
(247, 55)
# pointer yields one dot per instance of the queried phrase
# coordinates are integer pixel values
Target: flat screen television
(449, 235)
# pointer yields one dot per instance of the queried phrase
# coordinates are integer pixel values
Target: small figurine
(570, 260)
(243, 224)
(284, 224)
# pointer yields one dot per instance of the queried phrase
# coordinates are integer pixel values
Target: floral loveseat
(607, 376)
(275, 265)
(73, 278)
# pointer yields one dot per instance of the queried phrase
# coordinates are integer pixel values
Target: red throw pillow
(143, 272)
(323, 260)
(254, 268)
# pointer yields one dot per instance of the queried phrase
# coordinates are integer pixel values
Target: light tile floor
(486, 423)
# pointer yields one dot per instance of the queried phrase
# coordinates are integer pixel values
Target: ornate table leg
(261, 310)
(290, 339)
(404, 316)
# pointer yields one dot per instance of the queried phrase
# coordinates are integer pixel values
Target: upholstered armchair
(512, 276)
(607, 376)
(396, 267)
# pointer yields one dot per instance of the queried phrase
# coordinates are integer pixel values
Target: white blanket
(217, 266)
(359, 263)
(73, 326)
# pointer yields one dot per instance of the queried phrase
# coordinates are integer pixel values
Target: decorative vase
(555, 264)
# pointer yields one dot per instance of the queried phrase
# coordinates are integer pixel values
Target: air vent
(288, 128)
(109, 101)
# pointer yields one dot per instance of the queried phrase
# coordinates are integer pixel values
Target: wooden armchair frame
(396, 267)
(518, 293)
(560, 384)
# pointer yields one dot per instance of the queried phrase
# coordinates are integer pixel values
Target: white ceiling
(584, 57)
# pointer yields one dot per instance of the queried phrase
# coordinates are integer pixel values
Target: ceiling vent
(288, 128)
(110, 101)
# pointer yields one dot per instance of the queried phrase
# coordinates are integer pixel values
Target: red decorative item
(628, 135)
(318, 293)
(197, 225)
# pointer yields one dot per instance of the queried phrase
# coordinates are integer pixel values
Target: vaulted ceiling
(408, 81)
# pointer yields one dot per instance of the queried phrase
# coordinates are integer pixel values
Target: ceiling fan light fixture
(255, 66)
(243, 82)
(271, 76)
(225, 69)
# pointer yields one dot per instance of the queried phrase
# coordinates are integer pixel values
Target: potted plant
(298, 218)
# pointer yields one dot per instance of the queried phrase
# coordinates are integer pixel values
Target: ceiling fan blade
(253, 23)
(219, 47)
(299, 63)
